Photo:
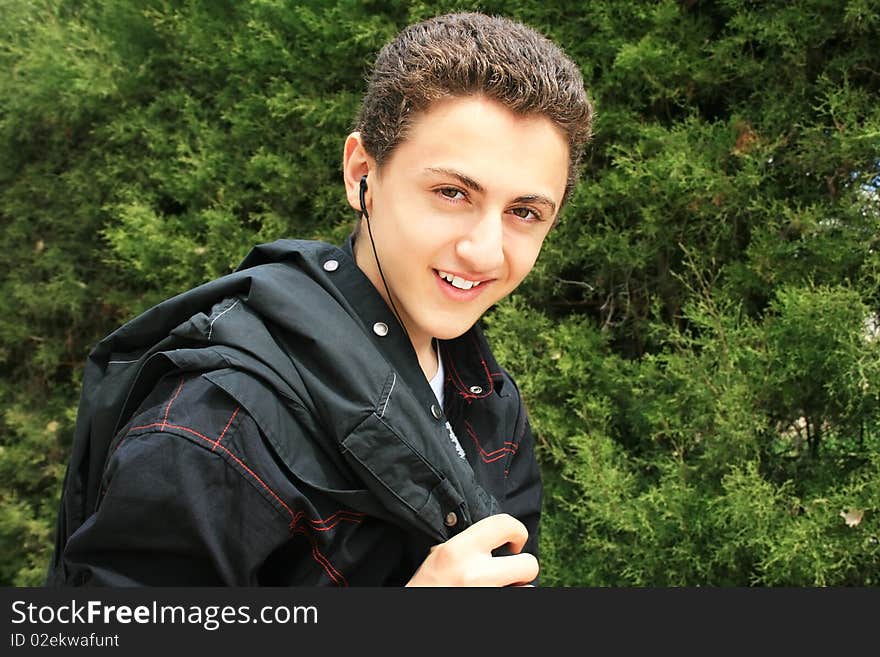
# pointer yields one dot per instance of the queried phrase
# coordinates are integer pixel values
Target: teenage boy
(334, 416)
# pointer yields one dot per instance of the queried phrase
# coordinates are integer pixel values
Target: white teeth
(461, 283)
(458, 281)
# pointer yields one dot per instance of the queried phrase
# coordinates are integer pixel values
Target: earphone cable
(376, 256)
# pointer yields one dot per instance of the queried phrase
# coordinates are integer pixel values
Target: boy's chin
(451, 331)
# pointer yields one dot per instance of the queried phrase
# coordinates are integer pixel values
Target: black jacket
(266, 432)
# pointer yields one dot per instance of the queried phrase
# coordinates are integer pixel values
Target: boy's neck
(428, 359)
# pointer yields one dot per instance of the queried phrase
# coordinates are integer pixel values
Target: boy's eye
(451, 193)
(526, 213)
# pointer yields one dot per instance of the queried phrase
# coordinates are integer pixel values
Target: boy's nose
(481, 249)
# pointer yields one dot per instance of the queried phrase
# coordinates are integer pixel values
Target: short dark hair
(465, 54)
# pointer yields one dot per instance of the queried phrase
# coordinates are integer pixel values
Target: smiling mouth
(457, 281)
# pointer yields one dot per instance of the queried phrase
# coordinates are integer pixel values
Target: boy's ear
(356, 163)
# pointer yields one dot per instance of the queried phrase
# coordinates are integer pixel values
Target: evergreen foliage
(698, 345)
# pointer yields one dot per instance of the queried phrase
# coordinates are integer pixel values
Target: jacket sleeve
(184, 503)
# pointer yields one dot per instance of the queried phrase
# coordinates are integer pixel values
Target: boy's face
(470, 194)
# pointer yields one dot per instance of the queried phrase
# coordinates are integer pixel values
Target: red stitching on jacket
(351, 516)
(464, 391)
(339, 516)
(220, 437)
(482, 357)
(342, 514)
(334, 574)
(171, 401)
(225, 449)
(456, 379)
(315, 525)
(483, 453)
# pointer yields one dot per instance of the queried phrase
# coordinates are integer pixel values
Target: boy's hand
(466, 559)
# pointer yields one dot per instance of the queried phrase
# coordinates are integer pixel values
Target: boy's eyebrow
(472, 184)
(537, 198)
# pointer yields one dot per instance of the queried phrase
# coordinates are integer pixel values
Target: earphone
(362, 194)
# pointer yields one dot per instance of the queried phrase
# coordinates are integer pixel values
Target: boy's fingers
(512, 570)
(495, 531)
